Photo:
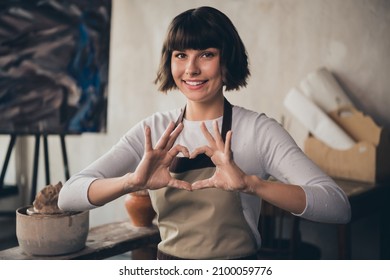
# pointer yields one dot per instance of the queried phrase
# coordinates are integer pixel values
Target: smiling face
(200, 29)
(197, 74)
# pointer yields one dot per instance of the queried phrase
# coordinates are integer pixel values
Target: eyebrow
(182, 50)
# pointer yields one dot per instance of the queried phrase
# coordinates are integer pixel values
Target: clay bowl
(48, 235)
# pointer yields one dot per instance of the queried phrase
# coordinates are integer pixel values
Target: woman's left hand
(228, 175)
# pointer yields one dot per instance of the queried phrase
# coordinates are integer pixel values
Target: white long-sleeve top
(260, 147)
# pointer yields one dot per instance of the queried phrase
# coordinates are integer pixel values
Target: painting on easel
(54, 58)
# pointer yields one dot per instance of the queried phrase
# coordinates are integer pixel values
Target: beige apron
(202, 224)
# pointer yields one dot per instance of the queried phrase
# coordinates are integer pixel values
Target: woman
(206, 166)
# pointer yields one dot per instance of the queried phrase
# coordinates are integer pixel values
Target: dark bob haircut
(199, 29)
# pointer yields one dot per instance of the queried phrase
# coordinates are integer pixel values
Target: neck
(198, 111)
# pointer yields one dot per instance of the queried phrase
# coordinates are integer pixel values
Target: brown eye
(208, 54)
(180, 55)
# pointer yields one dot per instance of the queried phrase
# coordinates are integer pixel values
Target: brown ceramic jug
(140, 210)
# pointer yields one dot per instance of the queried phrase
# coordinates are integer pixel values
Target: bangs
(193, 33)
(200, 29)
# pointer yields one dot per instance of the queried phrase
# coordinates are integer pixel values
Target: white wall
(285, 39)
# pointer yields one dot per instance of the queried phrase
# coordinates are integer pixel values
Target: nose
(192, 67)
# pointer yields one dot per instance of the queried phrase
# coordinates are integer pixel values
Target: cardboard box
(368, 160)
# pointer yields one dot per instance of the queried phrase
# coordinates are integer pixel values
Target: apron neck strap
(226, 121)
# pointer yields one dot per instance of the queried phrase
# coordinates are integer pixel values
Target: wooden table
(103, 242)
(366, 199)
(116, 238)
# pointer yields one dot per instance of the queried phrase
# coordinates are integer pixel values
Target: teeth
(193, 83)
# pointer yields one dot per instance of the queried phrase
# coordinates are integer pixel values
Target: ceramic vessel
(48, 235)
(139, 208)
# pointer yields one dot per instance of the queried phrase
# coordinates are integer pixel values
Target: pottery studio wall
(285, 39)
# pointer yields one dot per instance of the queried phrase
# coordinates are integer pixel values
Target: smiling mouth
(194, 83)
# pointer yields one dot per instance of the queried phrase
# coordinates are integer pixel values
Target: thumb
(202, 184)
(179, 184)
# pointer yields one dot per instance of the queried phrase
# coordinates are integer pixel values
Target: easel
(13, 190)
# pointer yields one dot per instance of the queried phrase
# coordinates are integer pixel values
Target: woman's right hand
(151, 173)
(153, 170)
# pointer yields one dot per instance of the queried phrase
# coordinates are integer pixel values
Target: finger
(202, 184)
(174, 135)
(228, 143)
(217, 135)
(179, 184)
(177, 149)
(148, 139)
(202, 150)
(162, 142)
(207, 134)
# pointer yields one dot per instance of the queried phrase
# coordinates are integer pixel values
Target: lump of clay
(46, 200)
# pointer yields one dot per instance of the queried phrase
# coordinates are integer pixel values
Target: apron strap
(226, 121)
(227, 118)
(183, 164)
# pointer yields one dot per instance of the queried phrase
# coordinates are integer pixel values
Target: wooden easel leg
(6, 160)
(46, 155)
(35, 169)
(64, 156)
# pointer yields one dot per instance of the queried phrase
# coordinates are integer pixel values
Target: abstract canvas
(54, 58)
